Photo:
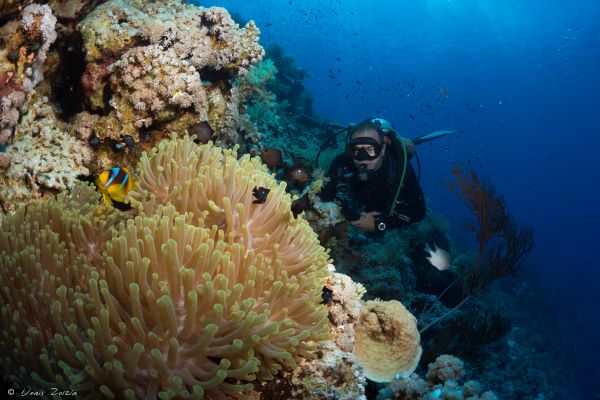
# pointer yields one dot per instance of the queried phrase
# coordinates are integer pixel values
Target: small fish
(341, 230)
(299, 205)
(272, 157)
(297, 175)
(439, 258)
(411, 116)
(443, 92)
(114, 184)
(260, 193)
(326, 295)
(325, 234)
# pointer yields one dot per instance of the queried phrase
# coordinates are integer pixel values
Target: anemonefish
(114, 184)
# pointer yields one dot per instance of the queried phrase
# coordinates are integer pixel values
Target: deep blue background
(522, 79)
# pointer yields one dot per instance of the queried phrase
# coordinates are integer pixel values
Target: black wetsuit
(377, 193)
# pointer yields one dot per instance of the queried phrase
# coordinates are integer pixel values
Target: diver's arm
(329, 190)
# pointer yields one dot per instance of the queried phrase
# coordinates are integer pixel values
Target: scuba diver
(373, 179)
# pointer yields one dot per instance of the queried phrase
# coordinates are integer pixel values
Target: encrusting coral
(200, 292)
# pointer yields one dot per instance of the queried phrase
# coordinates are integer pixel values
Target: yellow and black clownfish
(114, 184)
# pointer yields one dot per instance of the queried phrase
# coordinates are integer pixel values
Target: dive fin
(432, 136)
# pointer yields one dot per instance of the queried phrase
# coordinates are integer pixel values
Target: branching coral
(200, 293)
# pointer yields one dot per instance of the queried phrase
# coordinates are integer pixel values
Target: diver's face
(370, 165)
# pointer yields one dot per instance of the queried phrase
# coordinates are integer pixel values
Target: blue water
(523, 82)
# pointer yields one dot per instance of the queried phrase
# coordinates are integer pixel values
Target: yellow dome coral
(201, 291)
(387, 340)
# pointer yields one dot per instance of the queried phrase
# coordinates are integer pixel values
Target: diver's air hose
(391, 212)
(329, 139)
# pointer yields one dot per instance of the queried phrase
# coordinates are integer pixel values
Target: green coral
(262, 72)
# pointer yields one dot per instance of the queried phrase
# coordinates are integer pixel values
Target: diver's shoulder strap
(398, 172)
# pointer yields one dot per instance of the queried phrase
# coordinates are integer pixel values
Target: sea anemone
(198, 294)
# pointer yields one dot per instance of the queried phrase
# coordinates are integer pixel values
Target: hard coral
(387, 340)
(44, 158)
(24, 49)
(445, 368)
(336, 375)
(344, 309)
(411, 387)
(442, 383)
(164, 62)
(10, 6)
(199, 294)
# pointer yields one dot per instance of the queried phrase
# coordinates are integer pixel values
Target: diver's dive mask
(364, 148)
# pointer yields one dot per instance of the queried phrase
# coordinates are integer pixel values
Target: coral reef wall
(121, 76)
(156, 63)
